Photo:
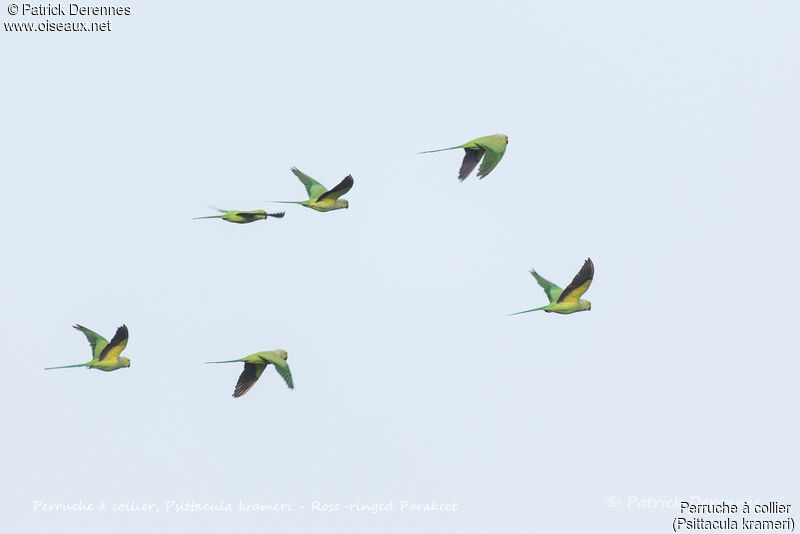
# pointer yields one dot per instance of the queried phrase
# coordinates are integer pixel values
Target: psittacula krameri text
(105, 355)
(491, 148)
(242, 217)
(319, 198)
(255, 364)
(568, 300)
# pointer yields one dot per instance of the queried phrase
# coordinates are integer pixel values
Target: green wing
(550, 289)
(343, 187)
(495, 147)
(286, 374)
(97, 341)
(313, 187)
(280, 365)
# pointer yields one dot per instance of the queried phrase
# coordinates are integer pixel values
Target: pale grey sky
(659, 139)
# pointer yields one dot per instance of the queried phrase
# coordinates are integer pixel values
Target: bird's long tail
(278, 215)
(287, 201)
(65, 366)
(440, 149)
(526, 311)
(227, 361)
(223, 212)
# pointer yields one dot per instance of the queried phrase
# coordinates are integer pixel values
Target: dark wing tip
(471, 159)
(588, 263)
(341, 189)
(246, 380)
(120, 336)
(585, 274)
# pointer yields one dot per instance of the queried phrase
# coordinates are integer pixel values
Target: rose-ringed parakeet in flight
(491, 148)
(319, 198)
(105, 355)
(255, 364)
(242, 217)
(568, 300)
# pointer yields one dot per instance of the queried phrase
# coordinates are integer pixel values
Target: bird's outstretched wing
(579, 284)
(280, 365)
(313, 187)
(550, 289)
(495, 148)
(471, 159)
(286, 374)
(97, 341)
(248, 378)
(117, 344)
(343, 187)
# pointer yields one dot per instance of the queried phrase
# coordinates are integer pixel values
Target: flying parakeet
(567, 300)
(319, 198)
(242, 217)
(255, 364)
(491, 148)
(105, 355)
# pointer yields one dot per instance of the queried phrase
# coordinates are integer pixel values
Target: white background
(658, 138)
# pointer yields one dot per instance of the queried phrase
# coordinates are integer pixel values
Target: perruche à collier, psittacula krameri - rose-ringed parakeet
(105, 354)
(319, 197)
(491, 148)
(255, 364)
(567, 300)
(242, 217)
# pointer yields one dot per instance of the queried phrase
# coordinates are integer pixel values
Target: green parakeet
(568, 300)
(319, 198)
(242, 217)
(105, 355)
(255, 364)
(491, 148)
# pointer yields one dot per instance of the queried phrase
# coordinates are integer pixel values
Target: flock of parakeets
(106, 355)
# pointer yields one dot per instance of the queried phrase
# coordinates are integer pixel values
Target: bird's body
(105, 354)
(491, 148)
(242, 217)
(320, 198)
(567, 300)
(254, 366)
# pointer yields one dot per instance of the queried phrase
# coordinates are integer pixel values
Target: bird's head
(125, 361)
(345, 203)
(585, 305)
(506, 138)
(283, 354)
